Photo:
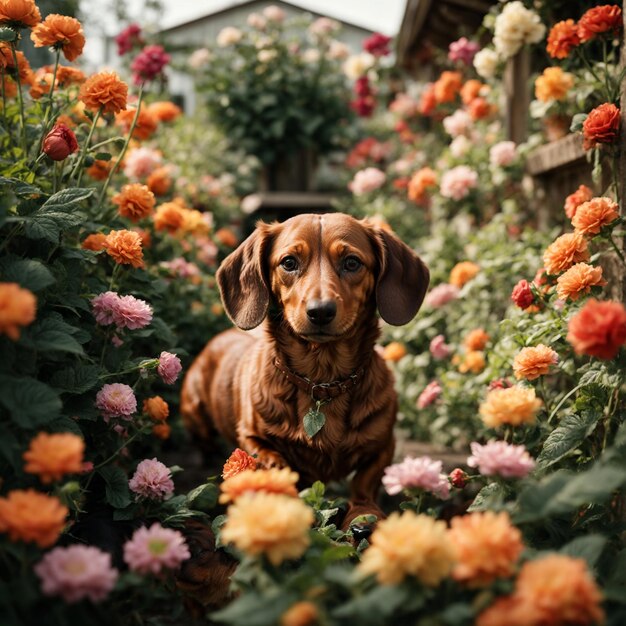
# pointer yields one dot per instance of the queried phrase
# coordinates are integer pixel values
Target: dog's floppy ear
(242, 280)
(402, 278)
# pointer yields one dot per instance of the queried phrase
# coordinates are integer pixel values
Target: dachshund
(314, 282)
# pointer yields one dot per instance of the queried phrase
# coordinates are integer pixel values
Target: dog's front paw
(268, 460)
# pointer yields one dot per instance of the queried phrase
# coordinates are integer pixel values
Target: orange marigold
(100, 169)
(162, 431)
(532, 362)
(447, 86)
(267, 480)
(479, 108)
(515, 405)
(553, 84)
(124, 246)
(7, 62)
(156, 408)
(394, 351)
(578, 280)
(19, 13)
(462, 273)
(300, 614)
(67, 75)
(27, 515)
(474, 361)
(594, 215)
(61, 33)
(471, 90)
(562, 39)
(564, 251)
(194, 222)
(420, 182)
(574, 200)
(18, 307)
(94, 242)
(145, 126)
(606, 18)
(9, 86)
(165, 111)
(487, 547)
(476, 339)
(135, 201)
(226, 237)
(237, 462)
(104, 90)
(53, 456)
(159, 182)
(169, 216)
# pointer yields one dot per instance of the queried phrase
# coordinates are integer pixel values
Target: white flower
(358, 64)
(265, 56)
(460, 146)
(516, 26)
(458, 123)
(199, 58)
(228, 36)
(323, 26)
(274, 13)
(338, 50)
(255, 20)
(311, 55)
(486, 62)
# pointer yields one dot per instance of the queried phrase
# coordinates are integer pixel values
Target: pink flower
(150, 550)
(116, 400)
(132, 313)
(377, 44)
(141, 162)
(103, 307)
(274, 13)
(76, 572)
(255, 20)
(128, 39)
(369, 179)
(457, 182)
(439, 349)
(463, 50)
(169, 367)
(522, 294)
(503, 153)
(499, 458)
(149, 64)
(152, 480)
(180, 267)
(324, 26)
(429, 395)
(441, 294)
(422, 473)
(404, 105)
(459, 123)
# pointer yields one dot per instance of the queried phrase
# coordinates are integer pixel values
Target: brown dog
(314, 282)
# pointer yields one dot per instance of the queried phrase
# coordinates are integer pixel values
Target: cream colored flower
(228, 36)
(486, 62)
(357, 65)
(515, 26)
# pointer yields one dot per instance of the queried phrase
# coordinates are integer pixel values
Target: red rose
(522, 294)
(599, 20)
(364, 107)
(598, 329)
(601, 126)
(458, 478)
(60, 142)
(377, 44)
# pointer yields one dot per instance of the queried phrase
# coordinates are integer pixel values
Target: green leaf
(103, 156)
(28, 273)
(30, 402)
(313, 422)
(577, 122)
(534, 497)
(66, 199)
(489, 497)
(20, 188)
(203, 498)
(375, 606)
(589, 547)
(117, 493)
(76, 379)
(255, 609)
(64, 425)
(7, 34)
(50, 225)
(52, 334)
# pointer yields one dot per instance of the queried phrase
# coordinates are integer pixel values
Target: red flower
(458, 478)
(362, 87)
(149, 64)
(129, 38)
(364, 107)
(598, 329)
(377, 44)
(599, 20)
(562, 39)
(60, 142)
(601, 126)
(522, 294)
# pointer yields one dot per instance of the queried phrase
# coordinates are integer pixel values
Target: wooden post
(621, 273)
(516, 77)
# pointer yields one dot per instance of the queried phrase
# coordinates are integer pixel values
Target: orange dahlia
(476, 339)
(267, 480)
(447, 86)
(124, 246)
(563, 38)
(564, 251)
(394, 351)
(19, 13)
(135, 201)
(471, 90)
(159, 182)
(61, 33)
(145, 126)
(463, 272)
(594, 215)
(578, 280)
(162, 431)
(514, 405)
(421, 181)
(169, 216)
(553, 84)
(100, 169)
(165, 111)
(53, 456)
(532, 362)
(156, 408)
(237, 462)
(104, 90)
(94, 242)
(574, 200)
(473, 361)
(18, 307)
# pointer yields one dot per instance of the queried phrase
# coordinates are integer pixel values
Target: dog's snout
(321, 312)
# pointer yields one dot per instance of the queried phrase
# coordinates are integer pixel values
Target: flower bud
(458, 478)
(60, 142)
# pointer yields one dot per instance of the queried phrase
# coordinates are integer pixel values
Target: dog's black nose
(321, 312)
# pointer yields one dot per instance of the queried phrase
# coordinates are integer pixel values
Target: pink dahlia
(169, 367)
(103, 307)
(151, 550)
(429, 395)
(152, 480)
(503, 153)
(367, 180)
(116, 400)
(499, 458)
(457, 124)
(439, 348)
(458, 182)
(128, 39)
(422, 473)
(132, 313)
(76, 572)
(149, 64)
(141, 162)
(463, 50)
(441, 294)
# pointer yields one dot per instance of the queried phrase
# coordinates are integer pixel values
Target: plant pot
(556, 126)
(293, 172)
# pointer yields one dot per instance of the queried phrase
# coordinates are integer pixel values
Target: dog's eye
(289, 264)
(351, 264)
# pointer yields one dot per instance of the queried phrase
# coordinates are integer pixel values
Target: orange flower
(27, 515)
(169, 216)
(7, 62)
(562, 39)
(53, 456)
(9, 86)
(194, 222)
(514, 405)
(479, 109)
(578, 280)
(601, 126)
(135, 201)
(476, 339)
(100, 169)
(237, 462)
(124, 246)
(19, 13)
(487, 547)
(18, 307)
(553, 84)
(428, 101)
(94, 242)
(598, 329)
(145, 236)
(394, 351)
(267, 480)
(471, 90)
(463, 272)
(162, 431)
(300, 614)
(602, 19)
(104, 90)
(156, 408)
(159, 182)
(594, 215)
(67, 75)
(564, 251)
(61, 33)
(447, 86)
(226, 237)
(574, 200)
(420, 182)
(165, 111)
(145, 126)
(474, 361)
(532, 362)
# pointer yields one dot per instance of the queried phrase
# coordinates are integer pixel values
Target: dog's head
(323, 272)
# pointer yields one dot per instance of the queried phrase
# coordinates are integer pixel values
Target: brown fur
(233, 386)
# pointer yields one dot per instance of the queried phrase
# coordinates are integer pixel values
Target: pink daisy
(422, 473)
(116, 400)
(132, 313)
(169, 367)
(499, 458)
(150, 550)
(152, 480)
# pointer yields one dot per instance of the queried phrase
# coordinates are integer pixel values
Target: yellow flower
(272, 480)
(409, 545)
(515, 405)
(532, 362)
(272, 524)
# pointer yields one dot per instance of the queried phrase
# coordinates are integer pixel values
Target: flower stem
(620, 254)
(46, 116)
(20, 98)
(79, 169)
